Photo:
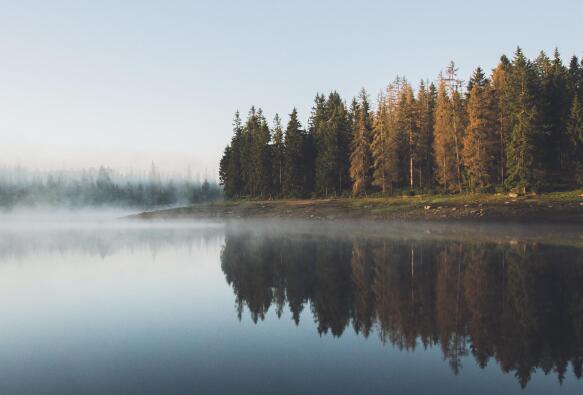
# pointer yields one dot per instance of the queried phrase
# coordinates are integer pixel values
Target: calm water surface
(288, 308)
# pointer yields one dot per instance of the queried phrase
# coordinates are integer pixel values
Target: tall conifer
(480, 142)
(500, 76)
(424, 146)
(294, 180)
(523, 159)
(407, 123)
(574, 132)
(360, 157)
(384, 151)
(278, 156)
(443, 143)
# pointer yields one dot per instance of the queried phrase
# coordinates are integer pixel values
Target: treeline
(520, 128)
(508, 304)
(102, 187)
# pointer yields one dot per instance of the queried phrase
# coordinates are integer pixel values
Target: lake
(289, 307)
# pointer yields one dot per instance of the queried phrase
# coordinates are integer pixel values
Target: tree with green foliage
(523, 159)
(407, 125)
(230, 164)
(247, 154)
(574, 132)
(424, 126)
(224, 176)
(329, 126)
(443, 143)
(553, 104)
(294, 180)
(516, 129)
(500, 77)
(384, 146)
(278, 157)
(360, 156)
(480, 142)
(263, 158)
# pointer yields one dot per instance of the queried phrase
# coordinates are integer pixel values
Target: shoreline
(557, 207)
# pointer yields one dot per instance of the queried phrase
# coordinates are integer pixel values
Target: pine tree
(480, 142)
(360, 157)
(278, 151)
(294, 180)
(522, 157)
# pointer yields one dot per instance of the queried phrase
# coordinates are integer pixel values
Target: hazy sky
(126, 82)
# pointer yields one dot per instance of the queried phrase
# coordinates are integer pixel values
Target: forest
(518, 129)
(100, 187)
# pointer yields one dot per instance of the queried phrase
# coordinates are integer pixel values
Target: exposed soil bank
(561, 207)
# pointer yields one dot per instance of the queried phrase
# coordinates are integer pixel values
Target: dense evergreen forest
(100, 187)
(519, 129)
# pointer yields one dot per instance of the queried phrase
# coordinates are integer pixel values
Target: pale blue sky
(126, 82)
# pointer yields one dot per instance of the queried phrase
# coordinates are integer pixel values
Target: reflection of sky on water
(134, 309)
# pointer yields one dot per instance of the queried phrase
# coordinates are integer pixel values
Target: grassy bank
(551, 207)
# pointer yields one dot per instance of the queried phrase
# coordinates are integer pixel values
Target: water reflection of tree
(519, 304)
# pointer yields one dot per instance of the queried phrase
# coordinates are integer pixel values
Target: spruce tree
(458, 131)
(323, 143)
(263, 159)
(230, 165)
(443, 143)
(553, 103)
(480, 142)
(574, 77)
(456, 108)
(407, 124)
(574, 131)
(560, 107)
(521, 129)
(384, 152)
(278, 158)
(330, 128)
(360, 156)
(523, 159)
(478, 78)
(248, 155)
(424, 149)
(224, 177)
(293, 185)
(501, 92)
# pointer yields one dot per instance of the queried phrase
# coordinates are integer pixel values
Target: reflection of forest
(519, 303)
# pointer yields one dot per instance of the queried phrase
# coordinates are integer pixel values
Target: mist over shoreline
(102, 187)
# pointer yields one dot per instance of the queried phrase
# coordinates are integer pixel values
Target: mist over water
(93, 303)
